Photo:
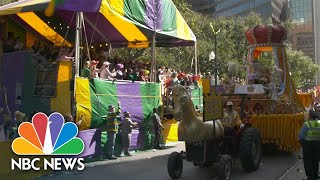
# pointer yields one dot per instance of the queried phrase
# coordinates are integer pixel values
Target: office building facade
(316, 27)
(302, 34)
(305, 15)
(305, 33)
(203, 6)
(275, 9)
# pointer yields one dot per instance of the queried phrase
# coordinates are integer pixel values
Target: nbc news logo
(48, 136)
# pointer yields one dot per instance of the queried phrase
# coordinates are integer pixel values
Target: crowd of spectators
(171, 77)
(101, 65)
(12, 44)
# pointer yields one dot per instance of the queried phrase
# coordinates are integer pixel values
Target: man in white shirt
(105, 72)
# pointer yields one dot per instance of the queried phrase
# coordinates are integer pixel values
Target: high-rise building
(316, 27)
(275, 9)
(305, 15)
(305, 33)
(302, 33)
(203, 6)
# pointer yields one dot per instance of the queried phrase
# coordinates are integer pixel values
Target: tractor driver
(231, 120)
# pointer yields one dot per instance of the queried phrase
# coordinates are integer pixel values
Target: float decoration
(279, 84)
(272, 103)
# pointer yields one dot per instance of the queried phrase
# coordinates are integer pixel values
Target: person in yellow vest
(309, 137)
(113, 119)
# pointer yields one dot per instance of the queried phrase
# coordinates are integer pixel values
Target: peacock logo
(48, 136)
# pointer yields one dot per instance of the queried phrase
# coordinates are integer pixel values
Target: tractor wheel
(175, 165)
(250, 149)
(225, 167)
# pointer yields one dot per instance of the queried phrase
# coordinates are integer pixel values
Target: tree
(231, 47)
(5, 2)
(232, 44)
(303, 70)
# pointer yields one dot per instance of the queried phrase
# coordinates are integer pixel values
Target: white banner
(249, 89)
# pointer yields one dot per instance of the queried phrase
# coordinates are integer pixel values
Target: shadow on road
(154, 168)
(153, 165)
(272, 150)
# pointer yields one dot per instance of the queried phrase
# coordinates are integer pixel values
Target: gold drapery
(281, 129)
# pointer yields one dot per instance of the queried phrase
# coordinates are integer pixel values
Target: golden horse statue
(191, 127)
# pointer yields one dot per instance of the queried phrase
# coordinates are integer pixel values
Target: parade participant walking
(127, 126)
(309, 137)
(157, 128)
(113, 119)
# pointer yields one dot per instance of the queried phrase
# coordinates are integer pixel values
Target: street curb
(289, 170)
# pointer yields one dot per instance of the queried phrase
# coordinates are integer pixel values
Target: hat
(19, 115)
(93, 62)
(313, 114)
(106, 63)
(182, 75)
(110, 107)
(126, 113)
(229, 103)
(174, 74)
(119, 66)
(195, 77)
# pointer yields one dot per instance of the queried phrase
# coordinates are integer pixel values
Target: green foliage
(231, 46)
(5, 2)
(302, 68)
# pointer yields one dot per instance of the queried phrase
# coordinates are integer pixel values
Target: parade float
(270, 109)
(272, 103)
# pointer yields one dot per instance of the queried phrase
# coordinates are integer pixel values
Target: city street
(78, 78)
(152, 165)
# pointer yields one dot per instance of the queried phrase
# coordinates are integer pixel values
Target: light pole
(212, 57)
(215, 56)
(179, 60)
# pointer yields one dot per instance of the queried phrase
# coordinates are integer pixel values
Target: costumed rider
(309, 137)
(231, 120)
(105, 72)
(86, 70)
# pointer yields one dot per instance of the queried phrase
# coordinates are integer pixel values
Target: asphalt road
(152, 165)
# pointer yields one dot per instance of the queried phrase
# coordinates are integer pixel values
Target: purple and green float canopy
(122, 23)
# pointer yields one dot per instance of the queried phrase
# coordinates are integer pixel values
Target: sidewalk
(296, 172)
(137, 155)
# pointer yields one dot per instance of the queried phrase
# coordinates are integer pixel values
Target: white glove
(241, 126)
